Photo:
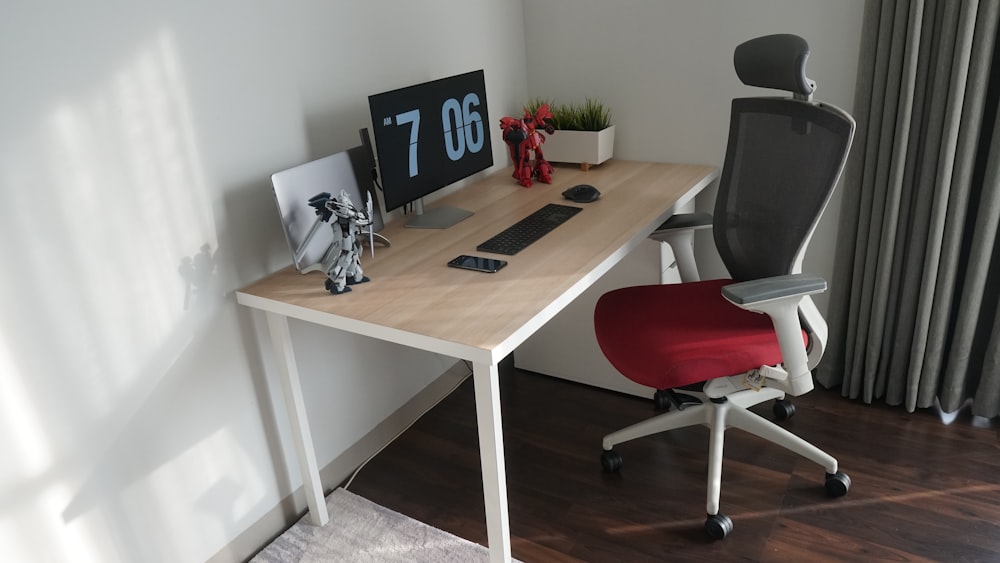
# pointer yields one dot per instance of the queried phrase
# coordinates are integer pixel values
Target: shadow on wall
(117, 339)
(198, 272)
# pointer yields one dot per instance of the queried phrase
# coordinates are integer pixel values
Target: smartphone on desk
(477, 263)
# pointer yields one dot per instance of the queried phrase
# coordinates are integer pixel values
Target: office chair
(714, 348)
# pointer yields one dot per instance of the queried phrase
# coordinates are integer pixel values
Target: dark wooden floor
(922, 490)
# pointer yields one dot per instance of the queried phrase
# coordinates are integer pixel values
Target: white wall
(135, 152)
(665, 68)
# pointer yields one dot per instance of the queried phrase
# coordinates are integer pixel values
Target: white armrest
(779, 299)
(678, 232)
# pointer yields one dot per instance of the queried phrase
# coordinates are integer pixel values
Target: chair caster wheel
(718, 526)
(783, 409)
(837, 484)
(661, 400)
(611, 461)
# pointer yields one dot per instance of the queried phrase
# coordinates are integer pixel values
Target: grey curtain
(914, 300)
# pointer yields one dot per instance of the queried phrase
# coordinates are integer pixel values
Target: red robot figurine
(523, 138)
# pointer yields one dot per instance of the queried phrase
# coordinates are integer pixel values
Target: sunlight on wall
(106, 202)
(31, 453)
(217, 473)
(127, 170)
(74, 541)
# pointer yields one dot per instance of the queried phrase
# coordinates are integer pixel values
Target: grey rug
(360, 530)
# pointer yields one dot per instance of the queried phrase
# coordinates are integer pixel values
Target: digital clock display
(430, 135)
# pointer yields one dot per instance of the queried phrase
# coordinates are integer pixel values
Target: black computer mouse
(582, 193)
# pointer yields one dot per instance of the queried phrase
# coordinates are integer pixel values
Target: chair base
(717, 415)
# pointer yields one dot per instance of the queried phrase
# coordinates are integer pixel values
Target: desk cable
(407, 427)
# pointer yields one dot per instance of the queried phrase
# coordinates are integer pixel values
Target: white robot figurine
(347, 221)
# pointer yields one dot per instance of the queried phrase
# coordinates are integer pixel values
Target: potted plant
(584, 132)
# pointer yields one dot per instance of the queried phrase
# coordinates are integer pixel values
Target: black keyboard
(516, 237)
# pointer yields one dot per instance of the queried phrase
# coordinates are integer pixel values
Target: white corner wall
(136, 422)
(665, 68)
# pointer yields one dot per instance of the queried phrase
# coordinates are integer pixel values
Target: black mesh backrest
(782, 163)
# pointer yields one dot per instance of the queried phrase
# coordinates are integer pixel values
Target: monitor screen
(430, 135)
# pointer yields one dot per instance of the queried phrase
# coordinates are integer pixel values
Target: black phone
(477, 263)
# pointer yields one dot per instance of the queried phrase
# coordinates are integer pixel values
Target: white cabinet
(566, 346)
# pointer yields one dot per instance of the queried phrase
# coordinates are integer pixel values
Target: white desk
(416, 300)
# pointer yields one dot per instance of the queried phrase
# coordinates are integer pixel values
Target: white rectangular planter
(583, 147)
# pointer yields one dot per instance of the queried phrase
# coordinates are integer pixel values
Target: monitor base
(438, 218)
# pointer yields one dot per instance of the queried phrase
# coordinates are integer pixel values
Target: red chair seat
(668, 336)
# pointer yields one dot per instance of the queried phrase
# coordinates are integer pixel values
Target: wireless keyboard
(516, 237)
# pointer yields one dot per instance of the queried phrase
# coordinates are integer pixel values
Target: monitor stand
(437, 218)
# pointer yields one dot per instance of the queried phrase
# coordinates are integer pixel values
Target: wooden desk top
(415, 299)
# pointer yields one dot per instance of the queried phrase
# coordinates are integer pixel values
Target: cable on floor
(407, 427)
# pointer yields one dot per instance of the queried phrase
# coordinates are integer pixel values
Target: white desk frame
(399, 306)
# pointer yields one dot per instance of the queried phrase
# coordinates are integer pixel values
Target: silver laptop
(309, 239)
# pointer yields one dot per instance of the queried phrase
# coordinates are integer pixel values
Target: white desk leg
(281, 340)
(487, 381)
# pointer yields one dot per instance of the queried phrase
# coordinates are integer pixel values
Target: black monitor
(429, 136)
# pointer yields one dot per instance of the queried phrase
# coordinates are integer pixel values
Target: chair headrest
(775, 61)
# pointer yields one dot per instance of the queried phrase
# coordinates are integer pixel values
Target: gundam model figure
(344, 269)
(523, 137)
